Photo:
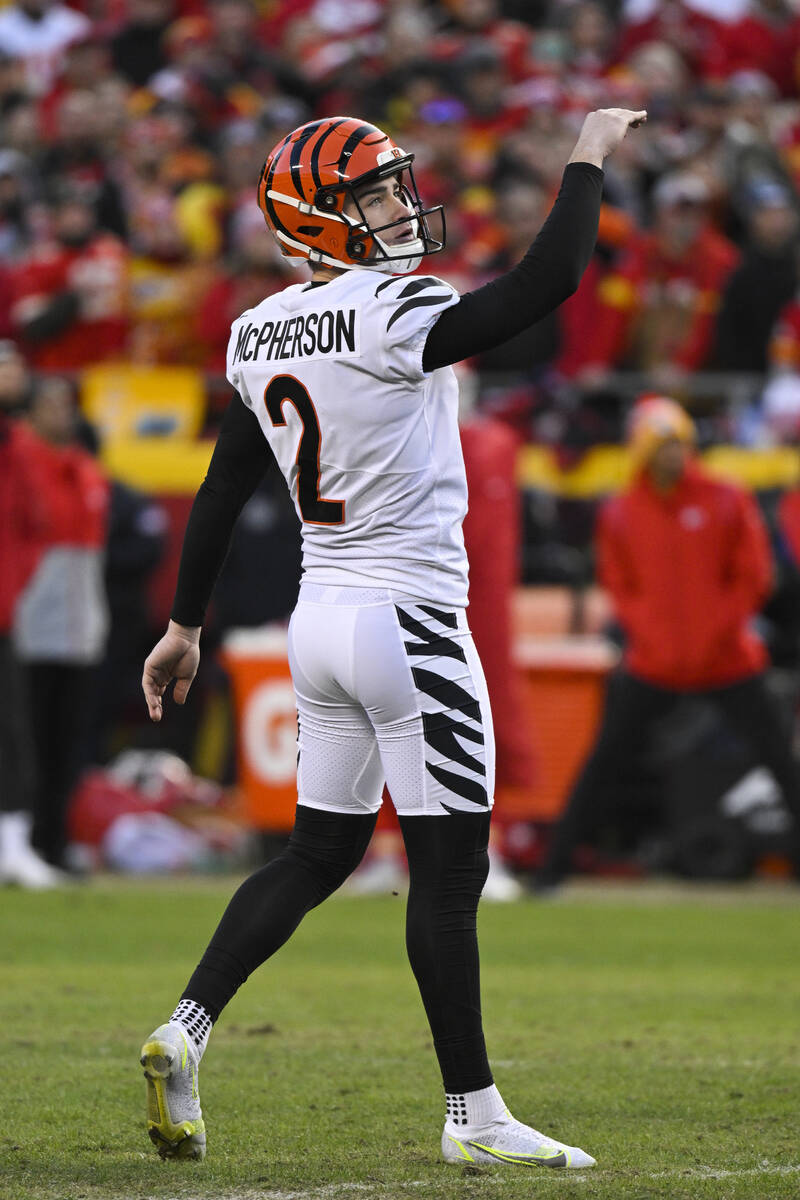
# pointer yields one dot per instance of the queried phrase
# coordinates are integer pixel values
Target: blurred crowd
(133, 131)
(131, 137)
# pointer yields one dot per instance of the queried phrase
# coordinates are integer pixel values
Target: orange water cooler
(266, 724)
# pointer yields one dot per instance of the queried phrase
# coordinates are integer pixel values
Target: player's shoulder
(400, 295)
(395, 287)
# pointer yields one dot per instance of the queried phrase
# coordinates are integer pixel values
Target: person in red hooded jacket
(686, 560)
(25, 523)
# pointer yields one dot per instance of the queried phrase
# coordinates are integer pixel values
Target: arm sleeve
(238, 464)
(546, 276)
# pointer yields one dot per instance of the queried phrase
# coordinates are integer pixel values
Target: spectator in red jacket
(686, 560)
(763, 39)
(70, 295)
(24, 523)
(61, 617)
(657, 310)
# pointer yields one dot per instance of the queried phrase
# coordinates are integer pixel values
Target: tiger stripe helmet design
(309, 176)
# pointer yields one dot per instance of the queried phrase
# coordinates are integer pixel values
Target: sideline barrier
(177, 465)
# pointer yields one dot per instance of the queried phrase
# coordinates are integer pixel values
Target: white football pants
(388, 689)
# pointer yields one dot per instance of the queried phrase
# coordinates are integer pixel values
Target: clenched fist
(602, 132)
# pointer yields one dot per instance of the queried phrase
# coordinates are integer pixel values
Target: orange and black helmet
(307, 178)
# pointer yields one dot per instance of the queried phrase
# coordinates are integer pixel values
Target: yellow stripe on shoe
(175, 1127)
(465, 1152)
(557, 1159)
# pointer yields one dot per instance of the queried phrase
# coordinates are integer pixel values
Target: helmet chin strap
(413, 254)
(409, 257)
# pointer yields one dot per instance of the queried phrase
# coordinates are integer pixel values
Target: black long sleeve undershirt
(240, 460)
(549, 273)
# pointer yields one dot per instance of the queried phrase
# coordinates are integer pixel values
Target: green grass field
(658, 1028)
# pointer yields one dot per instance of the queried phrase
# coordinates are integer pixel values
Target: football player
(345, 379)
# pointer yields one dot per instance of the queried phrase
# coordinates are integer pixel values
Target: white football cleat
(174, 1119)
(507, 1140)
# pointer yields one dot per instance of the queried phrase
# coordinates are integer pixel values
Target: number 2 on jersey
(315, 510)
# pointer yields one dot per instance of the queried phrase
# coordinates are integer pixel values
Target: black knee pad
(329, 846)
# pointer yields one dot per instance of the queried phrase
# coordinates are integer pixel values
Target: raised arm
(240, 459)
(553, 266)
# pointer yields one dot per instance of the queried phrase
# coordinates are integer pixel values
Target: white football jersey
(367, 441)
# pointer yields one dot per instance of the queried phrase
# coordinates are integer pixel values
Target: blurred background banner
(131, 137)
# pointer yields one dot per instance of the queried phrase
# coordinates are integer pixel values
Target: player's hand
(177, 657)
(602, 132)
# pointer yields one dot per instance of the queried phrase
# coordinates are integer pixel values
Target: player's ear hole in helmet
(311, 190)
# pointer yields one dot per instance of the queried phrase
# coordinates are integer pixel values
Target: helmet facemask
(364, 244)
(374, 252)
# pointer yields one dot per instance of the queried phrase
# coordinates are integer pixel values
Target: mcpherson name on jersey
(306, 336)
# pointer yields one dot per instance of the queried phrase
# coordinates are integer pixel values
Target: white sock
(475, 1108)
(196, 1021)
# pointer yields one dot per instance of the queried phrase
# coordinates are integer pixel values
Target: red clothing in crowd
(24, 513)
(492, 538)
(686, 570)
(784, 347)
(754, 43)
(98, 274)
(229, 295)
(789, 523)
(76, 493)
(693, 34)
(657, 309)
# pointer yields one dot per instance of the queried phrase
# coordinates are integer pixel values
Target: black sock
(448, 862)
